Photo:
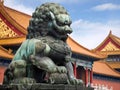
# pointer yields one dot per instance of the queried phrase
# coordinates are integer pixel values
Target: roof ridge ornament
(110, 32)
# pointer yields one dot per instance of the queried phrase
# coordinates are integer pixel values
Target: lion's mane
(38, 25)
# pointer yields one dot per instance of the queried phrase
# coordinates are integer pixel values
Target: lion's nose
(68, 29)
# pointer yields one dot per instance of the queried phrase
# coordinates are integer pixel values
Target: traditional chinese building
(12, 35)
(108, 70)
(111, 47)
(83, 61)
(14, 25)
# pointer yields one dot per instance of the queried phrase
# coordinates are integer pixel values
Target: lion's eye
(60, 24)
(66, 22)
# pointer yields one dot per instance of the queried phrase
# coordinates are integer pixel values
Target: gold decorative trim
(6, 31)
(110, 47)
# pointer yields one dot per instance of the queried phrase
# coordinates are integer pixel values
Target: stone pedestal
(44, 87)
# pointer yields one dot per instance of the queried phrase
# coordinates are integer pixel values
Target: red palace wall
(2, 69)
(113, 84)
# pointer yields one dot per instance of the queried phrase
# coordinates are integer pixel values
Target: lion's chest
(58, 50)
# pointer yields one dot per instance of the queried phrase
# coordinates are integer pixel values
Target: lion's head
(49, 19)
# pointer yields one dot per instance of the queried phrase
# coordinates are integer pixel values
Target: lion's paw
(75, 81)
(61, 69)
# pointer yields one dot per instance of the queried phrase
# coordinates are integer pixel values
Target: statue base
(39, 86)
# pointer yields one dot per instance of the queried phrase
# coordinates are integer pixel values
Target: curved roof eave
(112, 37)
(77, 48)
(12, 40)
(104, 69)
(5, 53)
(6, 15)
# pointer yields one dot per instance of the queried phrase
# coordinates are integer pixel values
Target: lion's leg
(71, 76)
(16, 69)
(44, 63)
(47, 64)
(61, 69)
(19, 68)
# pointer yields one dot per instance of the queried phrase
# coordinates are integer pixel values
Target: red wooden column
(75, 71)
(2, 70)
(86, 76)
(91, 76)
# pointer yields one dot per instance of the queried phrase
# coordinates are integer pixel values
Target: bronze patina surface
(44, 57)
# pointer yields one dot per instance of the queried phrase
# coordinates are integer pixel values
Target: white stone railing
(101, 87)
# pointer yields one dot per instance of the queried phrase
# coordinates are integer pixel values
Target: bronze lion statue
(44, 57)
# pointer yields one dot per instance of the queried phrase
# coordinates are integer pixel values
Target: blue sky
(92, 20)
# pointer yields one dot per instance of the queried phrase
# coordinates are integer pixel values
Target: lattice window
(115, 58)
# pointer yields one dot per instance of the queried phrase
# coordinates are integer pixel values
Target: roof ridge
(79, 44)
(114, 38)
(111, 36)
(95, 49)
(9, 19)
(114, 35)
(94, 53)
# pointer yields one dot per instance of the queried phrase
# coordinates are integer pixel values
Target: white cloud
(18, 6)
(91, 34)
(107, 6)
